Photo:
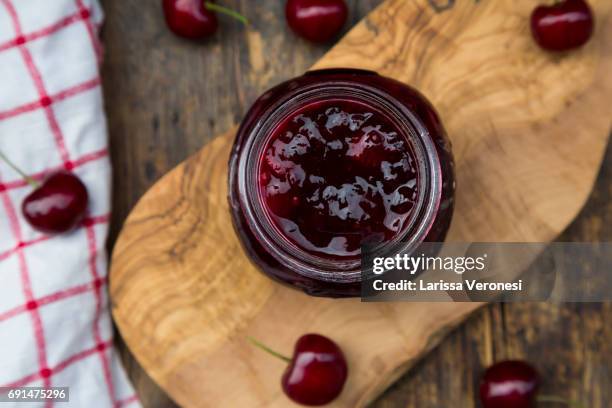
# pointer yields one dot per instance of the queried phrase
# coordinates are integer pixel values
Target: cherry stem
(13, 166)
(559, 400)
(268, 349)
(227, 11)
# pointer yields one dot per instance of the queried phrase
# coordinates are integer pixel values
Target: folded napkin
(55, 326)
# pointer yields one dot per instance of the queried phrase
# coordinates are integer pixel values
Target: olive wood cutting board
(528, 129)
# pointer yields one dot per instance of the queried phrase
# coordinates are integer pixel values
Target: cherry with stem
(196, 19)
(317, 371)
(57, 205)
(515, 384)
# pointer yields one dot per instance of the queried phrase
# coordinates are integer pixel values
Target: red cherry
(316, 20)
(317, 371)
(195, 19)
(509, 384)
(562, 26)
(58, 205)
(190, 18)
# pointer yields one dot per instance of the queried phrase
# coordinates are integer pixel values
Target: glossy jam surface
(336, 174)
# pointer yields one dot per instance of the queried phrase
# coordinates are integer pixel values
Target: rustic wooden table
(166, 97)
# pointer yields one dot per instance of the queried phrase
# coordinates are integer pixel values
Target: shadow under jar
(333, 160)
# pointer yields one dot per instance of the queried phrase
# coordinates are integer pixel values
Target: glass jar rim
(279, 246)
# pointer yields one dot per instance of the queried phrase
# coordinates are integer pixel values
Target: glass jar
(331, 161)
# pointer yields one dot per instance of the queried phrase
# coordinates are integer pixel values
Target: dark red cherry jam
(336, 173)
(331, 161)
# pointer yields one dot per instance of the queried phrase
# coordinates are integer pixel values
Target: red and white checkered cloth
(55, 326)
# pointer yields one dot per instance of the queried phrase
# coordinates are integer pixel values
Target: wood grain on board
(529, 131)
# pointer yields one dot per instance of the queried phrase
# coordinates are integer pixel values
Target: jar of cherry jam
(331, 161)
